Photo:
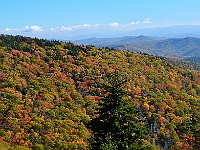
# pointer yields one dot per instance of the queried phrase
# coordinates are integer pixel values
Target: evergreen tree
(117, 125)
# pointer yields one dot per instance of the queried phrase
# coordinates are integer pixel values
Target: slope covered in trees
(49, 91)
(193, 59)
(187, 63)
(183, 48)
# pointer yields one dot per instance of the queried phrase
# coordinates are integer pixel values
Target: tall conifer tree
(117, 125)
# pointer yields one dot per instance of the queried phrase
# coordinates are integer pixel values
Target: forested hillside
(183, 48)
(193, 59)
(187, 63)
(50, 90)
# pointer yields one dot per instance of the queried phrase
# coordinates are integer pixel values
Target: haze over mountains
(173, 31)
(174, 47)
(179, 31)
(181, 42)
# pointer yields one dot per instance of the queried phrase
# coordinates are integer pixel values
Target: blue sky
(73, 18)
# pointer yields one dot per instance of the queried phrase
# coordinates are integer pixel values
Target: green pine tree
(117, 125)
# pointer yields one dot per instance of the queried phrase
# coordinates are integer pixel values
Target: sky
(71, 19)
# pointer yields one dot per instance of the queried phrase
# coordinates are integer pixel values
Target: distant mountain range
(178, 31)
(183, 48)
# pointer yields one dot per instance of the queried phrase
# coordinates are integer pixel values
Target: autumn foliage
(49, 91)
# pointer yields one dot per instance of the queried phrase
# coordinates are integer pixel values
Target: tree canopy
(49, 91)
(117, 124)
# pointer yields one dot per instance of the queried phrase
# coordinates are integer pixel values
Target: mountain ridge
(181, 48)
(177, 31)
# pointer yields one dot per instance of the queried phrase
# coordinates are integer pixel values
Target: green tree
(117, 124)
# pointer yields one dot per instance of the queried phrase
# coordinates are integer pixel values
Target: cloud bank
(80, 31)
(36, 28)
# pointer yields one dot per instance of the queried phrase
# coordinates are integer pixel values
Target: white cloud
(8, 29)
(63, 28)
(52, 29)
(114, 24)
(81, 26)
(167, 21)
(132, 23)
(97, 25)
(70, 28)
(137, 22)
(146, 21)
(85, 25)
(33, 29)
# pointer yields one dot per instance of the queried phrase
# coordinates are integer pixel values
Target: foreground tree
(117, 125)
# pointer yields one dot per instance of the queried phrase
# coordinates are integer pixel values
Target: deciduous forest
(52, 93)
